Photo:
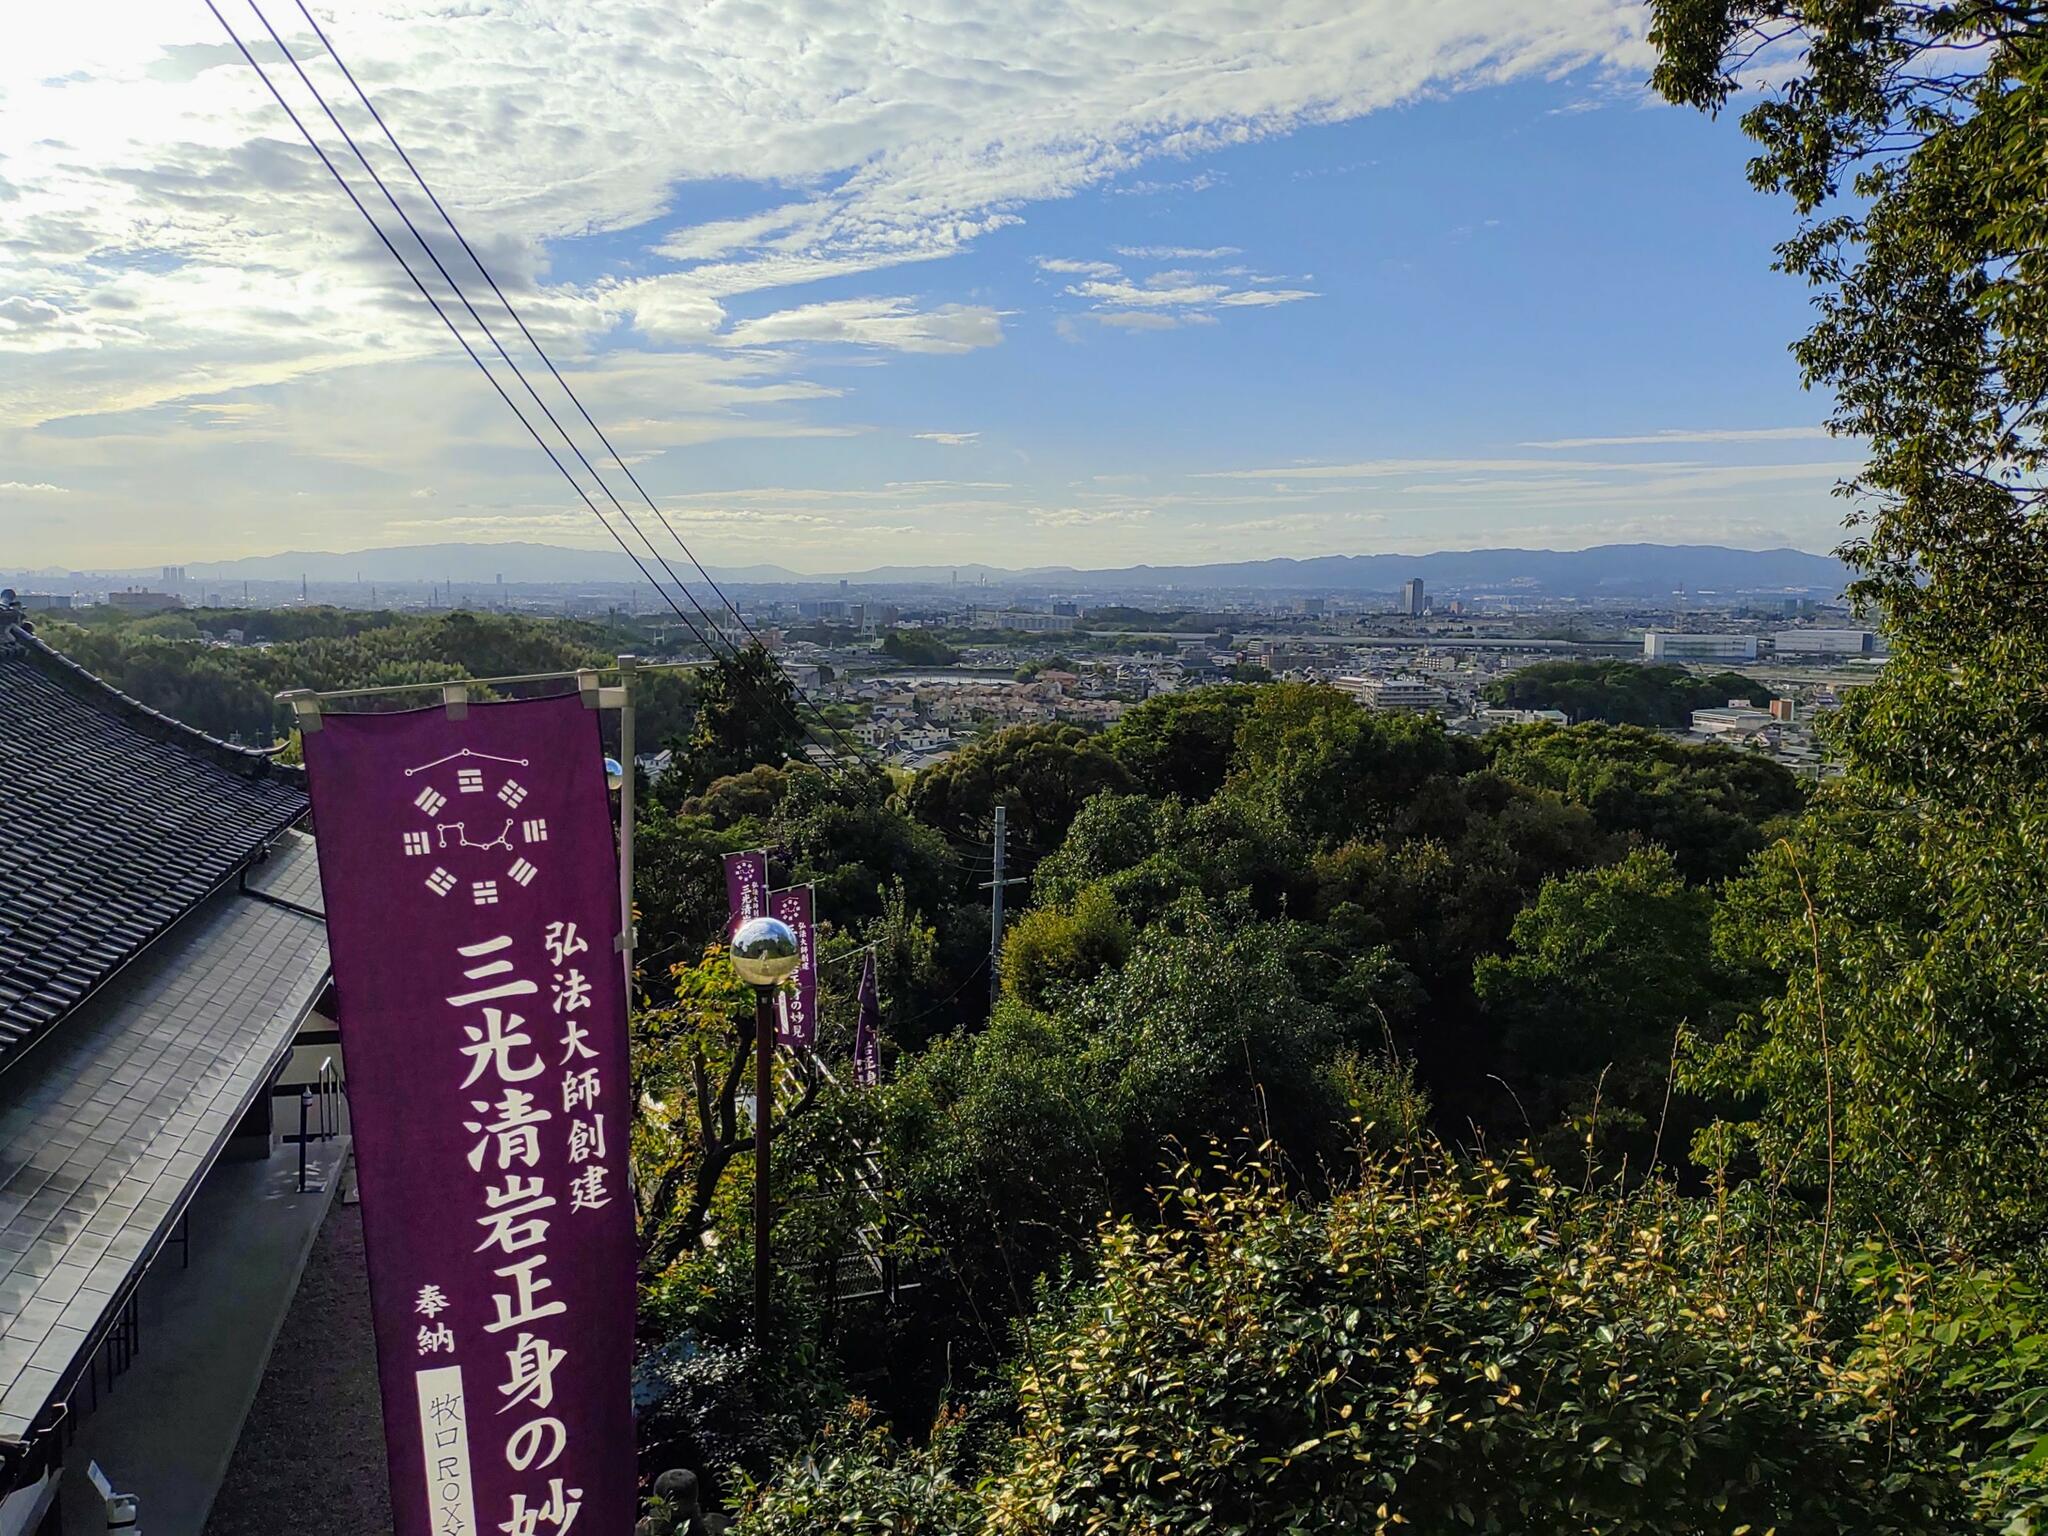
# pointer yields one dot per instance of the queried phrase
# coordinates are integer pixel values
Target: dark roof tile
(115, 821)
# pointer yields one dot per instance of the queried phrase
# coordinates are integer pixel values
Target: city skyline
(1347, 283)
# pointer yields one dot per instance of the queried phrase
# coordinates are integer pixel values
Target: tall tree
(746, 714)
(1904, 1069)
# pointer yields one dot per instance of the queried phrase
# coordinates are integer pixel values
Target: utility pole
(995, 905)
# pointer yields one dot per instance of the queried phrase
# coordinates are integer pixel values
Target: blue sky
(1235, 296)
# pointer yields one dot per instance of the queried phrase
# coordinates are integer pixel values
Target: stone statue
(678, 1496)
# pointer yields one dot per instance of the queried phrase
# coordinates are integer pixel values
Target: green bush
(1440, 1351)
(862, 1482)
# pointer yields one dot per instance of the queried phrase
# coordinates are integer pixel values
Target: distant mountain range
(1605, 570)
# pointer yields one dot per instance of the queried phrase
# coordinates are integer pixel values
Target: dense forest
(181, 663)
(1621, 692)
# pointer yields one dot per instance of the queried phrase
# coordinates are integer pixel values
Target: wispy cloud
(1688, 435)
(948, 439)
(1178, 252)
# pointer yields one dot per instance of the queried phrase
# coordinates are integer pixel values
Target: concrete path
(313, 1446)
(169, 1427)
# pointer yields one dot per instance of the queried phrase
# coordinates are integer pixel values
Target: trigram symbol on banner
(417, 843)
(440, 882)
(484, 892)
(512, 793)
(522, 872)
(535, 831)
(430, 801)
(470, 780)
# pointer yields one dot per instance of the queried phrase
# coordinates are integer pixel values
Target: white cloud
(31, 488)
(1065, 265)
(892, 323)
(1088, 517)
(948, 439)
(1677, 435)
(179, 269)
(1177, 252)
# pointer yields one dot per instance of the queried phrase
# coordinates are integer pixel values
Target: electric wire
(700, 635)
(482, 367)
(483, 325)
(477, 261)
(453, 329)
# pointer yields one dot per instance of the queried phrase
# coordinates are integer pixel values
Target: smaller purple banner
(800, 1003)
(746, 888)
(867, 1029)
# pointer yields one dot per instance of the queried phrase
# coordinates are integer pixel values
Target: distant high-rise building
(1413, 603)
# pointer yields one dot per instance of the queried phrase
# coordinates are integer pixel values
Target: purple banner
(867, 1029)
(799, 1022)
(472, 891)
(746, 888)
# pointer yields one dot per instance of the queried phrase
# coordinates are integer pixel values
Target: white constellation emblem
(487, 757)
(461, 830)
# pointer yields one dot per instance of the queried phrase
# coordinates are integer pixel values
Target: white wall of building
(1658, 646)
(1826, 642)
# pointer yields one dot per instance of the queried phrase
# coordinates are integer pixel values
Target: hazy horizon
(1178, 290)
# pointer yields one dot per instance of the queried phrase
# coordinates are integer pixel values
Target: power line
(456, 288)
(654, 582)
(482, 324)
(539, 350)
(453, 329)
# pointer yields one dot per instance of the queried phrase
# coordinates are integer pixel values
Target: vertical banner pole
(627, 666)
(764, 1113)
(995, 909)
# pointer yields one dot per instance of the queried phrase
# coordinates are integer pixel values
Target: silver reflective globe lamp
(764, 952)
(614, 774)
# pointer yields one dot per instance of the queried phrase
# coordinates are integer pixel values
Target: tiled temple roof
(115, 822)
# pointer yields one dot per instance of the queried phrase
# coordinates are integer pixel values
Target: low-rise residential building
(1737, 718)
(137, 600)
(1494, 719)
(1410, 695)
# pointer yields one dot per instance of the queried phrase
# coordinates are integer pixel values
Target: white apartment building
(1409, 694)
(1826, 642)
(1659, 646)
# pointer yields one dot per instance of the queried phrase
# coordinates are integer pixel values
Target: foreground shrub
(1441, 1349)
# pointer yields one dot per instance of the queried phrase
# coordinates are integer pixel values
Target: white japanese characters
(518, 1066)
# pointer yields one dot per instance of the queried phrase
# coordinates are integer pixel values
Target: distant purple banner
(472, 907)
(746, 888)
(800, 1002)
(867, 1029)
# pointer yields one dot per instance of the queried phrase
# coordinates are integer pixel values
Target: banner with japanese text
(746, 888)
(471, 881)
(867, 1029)
(799, 1021)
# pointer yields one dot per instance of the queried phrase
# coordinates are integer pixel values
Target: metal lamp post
(765, 954)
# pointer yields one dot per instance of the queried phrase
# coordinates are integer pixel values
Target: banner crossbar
(322, 696)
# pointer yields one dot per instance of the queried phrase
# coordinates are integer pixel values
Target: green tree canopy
(1620, 692)
(1044, 774)
(746, 714)
(1182, 743)
(1710, 805)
